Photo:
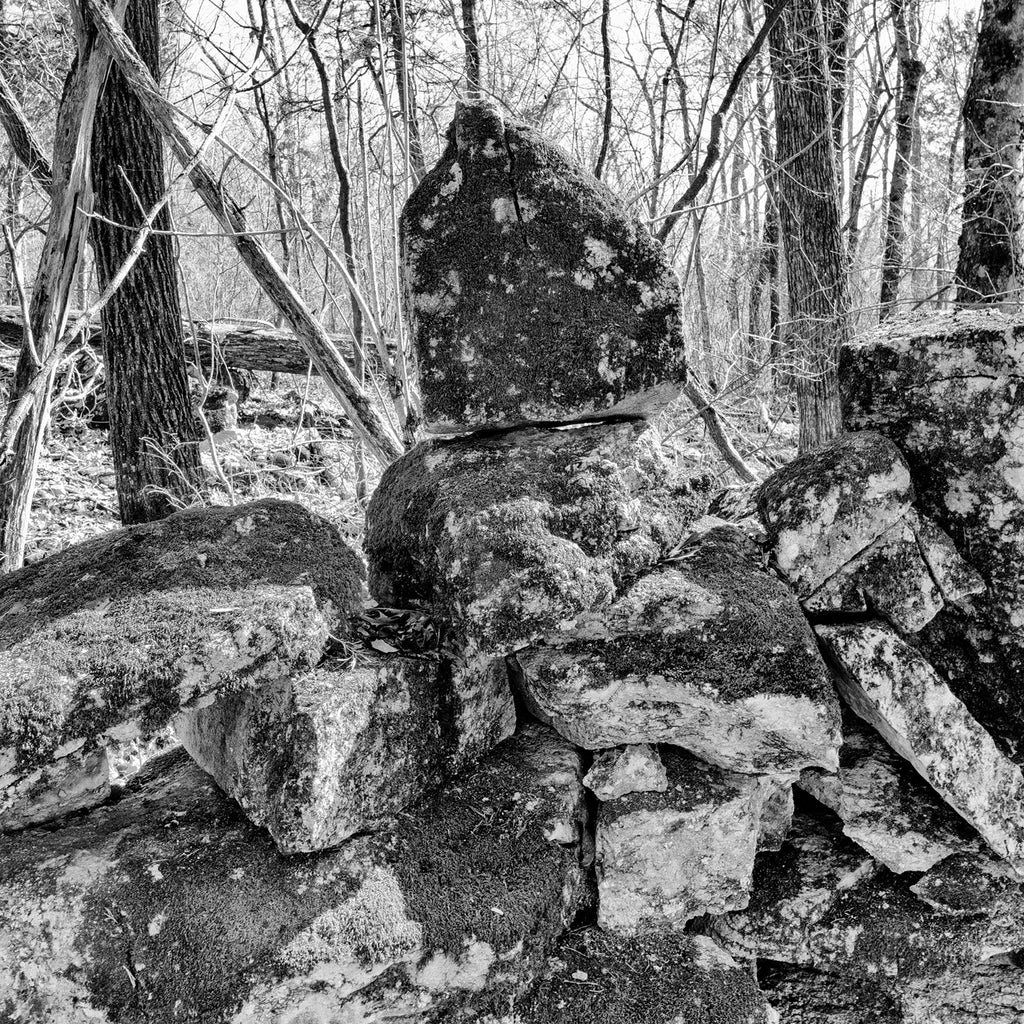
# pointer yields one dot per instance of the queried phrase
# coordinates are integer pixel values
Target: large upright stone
(510, 537)
(534, 295)
(108, 640)
(947, 390)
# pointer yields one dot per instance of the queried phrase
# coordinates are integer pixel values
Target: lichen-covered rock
(661, 978)
(665, 858)
(802, 995)
(73, 780)
(884, 806)
(946, 390)
(534, 296)
(322, 755)
(708, 652)
(509, 537)
(825, 507)
(989, 993)
(891, 686)
(169, 905)
(634, 769)
(110, 638)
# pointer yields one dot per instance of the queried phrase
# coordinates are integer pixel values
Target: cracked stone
(622, 770)
(891, 686)
(317, 757)
(535, 296)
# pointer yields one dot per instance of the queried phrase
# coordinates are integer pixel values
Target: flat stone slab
(509, 537)
(825, 507)
(946, 389)
(169, 905)
(534, 295)
(666, 858)
(72, 781)
(317, 757)
(708, 652)
(891, 686)
(884, 805)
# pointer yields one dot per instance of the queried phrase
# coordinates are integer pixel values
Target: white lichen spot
(503, 209)
(441, 973)
(427, 222)
(156, 925)
(490, 149)
(599, 254)
(452, 186)
(155, 873)
(238, 874)
(584, 280)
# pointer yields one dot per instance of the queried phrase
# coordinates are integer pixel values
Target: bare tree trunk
(819, 298)
(23, 139)
(154, 433)
(406, 90)
(472, 41)
(991, 264)
(911, 69)
(606, 61)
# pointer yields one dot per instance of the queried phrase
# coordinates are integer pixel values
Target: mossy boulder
(533, 295)
(708, 651)
(108, 640)
(318, 756)
(169, 905)
(509, 537)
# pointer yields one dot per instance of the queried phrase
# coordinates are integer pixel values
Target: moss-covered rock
(509, 537)
(709, 652)
(948, 390)
(318, 756)
(168, 905)
(802, 995)
(534, 296)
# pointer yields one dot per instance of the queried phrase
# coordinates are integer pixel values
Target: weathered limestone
(824, 508)
(108, 640)
(623, 770)
(884, 806)
(946, 390)
(509, 537)
(597, 978)
(890, 686)
(708, 652)
(665, 858)
(990, 993)
(317, 757)
(168, 905)
(73, 780)
(534, 296)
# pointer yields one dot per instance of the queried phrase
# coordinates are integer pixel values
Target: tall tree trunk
(819, 298)
(472, 41)
(911, 69)
(154, 434)
(991, 264)
(606, 66)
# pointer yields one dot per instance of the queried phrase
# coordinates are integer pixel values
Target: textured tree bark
(819, 298)
(154, 433)
(991, 264)
(23, 139)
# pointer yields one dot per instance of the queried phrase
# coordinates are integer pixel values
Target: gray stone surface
(71, 781)
(708, 652)
(322, 755)
(802, 995)
(637, 768)
(169, 905)
(507, 538)
(534, 296)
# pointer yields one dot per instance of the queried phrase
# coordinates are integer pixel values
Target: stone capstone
(319, 756)
(169, 905)
(506, 538)
(534, 296)
(708, 652)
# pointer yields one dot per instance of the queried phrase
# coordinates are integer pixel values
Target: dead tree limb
(23, 139)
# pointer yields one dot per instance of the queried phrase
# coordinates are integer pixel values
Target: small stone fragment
(318, 757)
(665, 858)
(825, 507)
(890, 685)
(884, 806)
(776, 816)
(622, 770)
(709, 652)
(535, 296)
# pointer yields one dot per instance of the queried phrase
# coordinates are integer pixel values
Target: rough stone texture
(665, 858)
(825, 507)
(802, 995)
(890, 686)
(533, 295)
(946, 390)
(509, 537)
(597, 978)
(708, 652)
(776, 817)
(170, 906)
(990, 993)
(70, 782)
(317, 757)
(884, 806)
(109, 639)
(623, 770)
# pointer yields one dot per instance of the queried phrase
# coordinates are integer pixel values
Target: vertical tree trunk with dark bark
(809, 218)
(154, 433)
(991, 264)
